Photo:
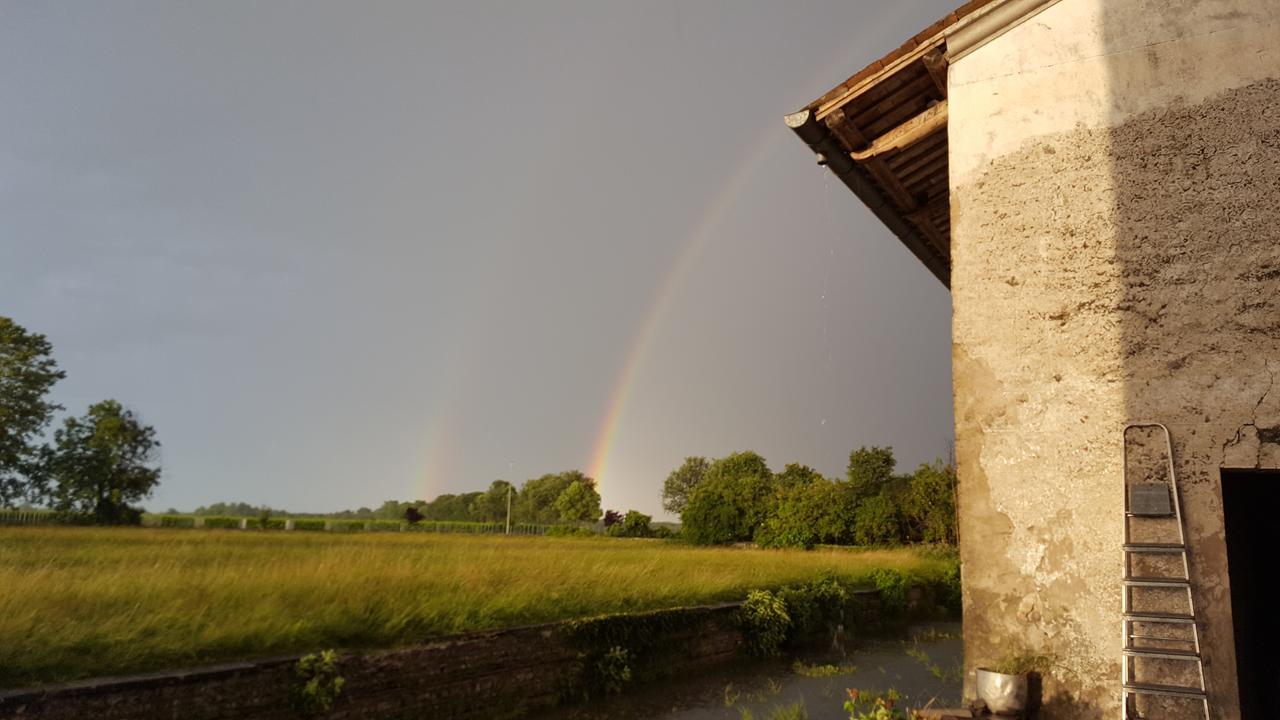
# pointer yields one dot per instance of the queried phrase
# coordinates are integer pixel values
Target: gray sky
(338, 253)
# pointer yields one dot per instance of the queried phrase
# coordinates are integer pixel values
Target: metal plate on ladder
(1150, 500)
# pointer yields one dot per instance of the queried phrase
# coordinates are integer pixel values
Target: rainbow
(702, 232)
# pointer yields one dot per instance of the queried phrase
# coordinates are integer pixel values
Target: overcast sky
(338, 253)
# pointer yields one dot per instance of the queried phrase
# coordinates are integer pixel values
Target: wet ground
(925, 666)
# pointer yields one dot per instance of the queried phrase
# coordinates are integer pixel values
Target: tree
(870, 471)
(27, 372)
(877, 522)
(103, 461)
(492, 505)
(732, 500)
(681, 482)
(635, 524)
(797, 474)
(929, 504)
(580, 502)
(536, 502)
(806, 514)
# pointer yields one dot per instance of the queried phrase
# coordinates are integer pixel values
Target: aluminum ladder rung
(1169, 690)
(1162, 654)
(1155, 548)
(1157, 582)
(1159, 617)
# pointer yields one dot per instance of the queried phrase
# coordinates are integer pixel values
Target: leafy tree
(797, 474)
(732, 500)
(492, 505)
(681, 482)
(635, 524)
(451, 507)
(102, 462)
(536, 500)
(929, 504)
(611, 518)
(580, 502)
(27, 372)
(412, 515)
(806, 514)
(877, 522)
(870, 471)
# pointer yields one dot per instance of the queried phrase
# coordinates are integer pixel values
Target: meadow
(80, 602)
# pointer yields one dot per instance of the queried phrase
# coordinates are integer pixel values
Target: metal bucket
(1003, 694)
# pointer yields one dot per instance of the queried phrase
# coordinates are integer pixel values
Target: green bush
(764, 622)
(317, 683)
(176, 521)
(894, 588)
(270, 523)
(384, 525)
(347, 525)
(222, 523)
(308, 524)
(635, 524)
(814, 607)
(569, 531)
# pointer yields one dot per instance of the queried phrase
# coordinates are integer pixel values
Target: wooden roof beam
(913, 130)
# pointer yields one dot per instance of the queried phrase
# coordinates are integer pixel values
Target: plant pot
(1003, 693)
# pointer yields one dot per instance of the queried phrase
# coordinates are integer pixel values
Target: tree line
(96, 465)
(739, 499)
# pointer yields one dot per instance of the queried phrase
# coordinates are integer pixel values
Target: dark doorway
(1250, 503)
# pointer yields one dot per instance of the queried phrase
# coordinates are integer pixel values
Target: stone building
(1098, 183)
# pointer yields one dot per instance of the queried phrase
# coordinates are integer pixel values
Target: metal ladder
(1151, 507)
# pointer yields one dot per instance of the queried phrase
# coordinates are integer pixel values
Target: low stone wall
(490, 675)
(502, 673)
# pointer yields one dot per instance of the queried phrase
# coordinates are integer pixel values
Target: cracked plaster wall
(1114, 175)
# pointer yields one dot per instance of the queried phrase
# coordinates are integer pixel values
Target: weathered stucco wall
(1114, 175)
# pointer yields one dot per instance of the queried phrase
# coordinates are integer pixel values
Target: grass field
(79, 602)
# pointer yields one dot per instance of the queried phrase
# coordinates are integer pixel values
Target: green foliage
(569, 531)
(450, 507)
(869, 471)
(176, 521)
(308, 524)
(101, 462)
(679, 485)
(872, 705)
(1017, 662)
(821, 671)
(731, 502)
(269, 523)
(813, 607)
(222, 523)
(765, 622)
(491, 506)
(27, 373)
(614, 670)
(537, 500)
(346, 525)
(808, 513)
(794, 711)
(317, 683)
(635, 524)
(384, 525)
(613, 650)
(876, 522)
(580, 502)
(929, 504)
(796, 474)
(894, 588)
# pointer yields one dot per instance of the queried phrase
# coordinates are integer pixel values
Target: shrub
(308, 524)
(346, 525)
(317, 683)
(222, 523)
(814, 607)
(635, 524)
(176, 521)
(894, 588)
(725, 508)
(384, 525)
(268, 523)
(764, 621)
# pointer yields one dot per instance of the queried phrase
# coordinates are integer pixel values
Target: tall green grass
(79, 602)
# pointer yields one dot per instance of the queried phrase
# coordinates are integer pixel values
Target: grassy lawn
(79, 602)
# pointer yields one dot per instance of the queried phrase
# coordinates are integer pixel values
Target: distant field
(79, 602)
